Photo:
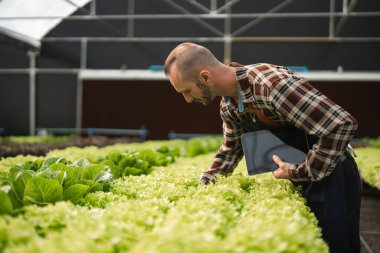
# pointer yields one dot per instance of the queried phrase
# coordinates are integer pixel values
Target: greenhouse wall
(56, 93)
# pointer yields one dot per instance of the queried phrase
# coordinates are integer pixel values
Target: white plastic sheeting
(31, 31)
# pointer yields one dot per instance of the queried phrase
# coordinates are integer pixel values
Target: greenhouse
(189, 126)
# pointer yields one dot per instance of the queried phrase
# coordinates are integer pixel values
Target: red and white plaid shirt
(284, 98)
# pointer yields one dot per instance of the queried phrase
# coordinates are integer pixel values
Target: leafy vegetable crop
(374, 142)
(160, 210)
(51, 180)
(38, 181)
(139, 162)
(38, 139)
(168, 211)
(368, 161)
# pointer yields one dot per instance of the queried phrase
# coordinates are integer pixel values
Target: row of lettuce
(147, 198)
(48, 180)
(11, 146)
(373, 142)
(368, 160)
(163, 210)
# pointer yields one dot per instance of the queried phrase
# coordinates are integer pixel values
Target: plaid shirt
(284, 98)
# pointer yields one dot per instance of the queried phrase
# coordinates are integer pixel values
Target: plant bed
(11, 148)
(368, 160)
(169, 211)
(368, 190)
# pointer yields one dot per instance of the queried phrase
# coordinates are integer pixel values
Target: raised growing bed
(40, 146)
(165, 210)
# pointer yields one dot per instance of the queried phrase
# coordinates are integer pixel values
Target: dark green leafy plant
(201, 145)
(138, 162)
(374, 142)
(54, 179)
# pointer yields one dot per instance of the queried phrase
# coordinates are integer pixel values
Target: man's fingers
(277, 160)
(283, 168)
(280, 174)
(277, 173)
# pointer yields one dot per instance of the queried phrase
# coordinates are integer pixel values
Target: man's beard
(206, 94)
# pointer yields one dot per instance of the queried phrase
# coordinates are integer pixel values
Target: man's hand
(207, 178)
(283, 171)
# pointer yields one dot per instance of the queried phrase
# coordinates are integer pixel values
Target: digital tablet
(259, 148)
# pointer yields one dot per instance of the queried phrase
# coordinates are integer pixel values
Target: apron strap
(260, 115)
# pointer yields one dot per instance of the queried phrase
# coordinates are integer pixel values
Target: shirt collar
(243, 86)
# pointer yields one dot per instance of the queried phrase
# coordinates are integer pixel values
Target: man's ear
(205, 76)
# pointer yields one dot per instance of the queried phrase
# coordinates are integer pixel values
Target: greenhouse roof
(17, 17)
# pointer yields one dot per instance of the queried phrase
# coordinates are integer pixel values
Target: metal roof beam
(346, 10)
(261, 18)
(203, 16)
(216, 39)
(194, 18)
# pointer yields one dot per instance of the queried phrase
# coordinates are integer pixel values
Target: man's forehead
(174, 73)
(175, 77)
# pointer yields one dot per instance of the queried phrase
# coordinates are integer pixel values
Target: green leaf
(93, 185)
(4, 178)
(52, 160)
(18, 184)
(6, 206)
(149, 156)
(131, 171)
(72, 174)
(40, 190)
(115, 157)
(14, 170)
(37, 164)
(128, 161)
(51, 174)
(58, 167)
(82, 163)
(169, 151)
(142, 165)
(75, 192)
(194, 148)
(30, 165)
(103, 177)
(92, 172)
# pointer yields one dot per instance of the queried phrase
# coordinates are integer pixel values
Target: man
(265, 96)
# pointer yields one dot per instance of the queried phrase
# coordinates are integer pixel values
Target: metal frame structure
(228, 37)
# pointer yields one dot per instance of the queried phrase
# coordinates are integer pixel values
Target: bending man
(275, 98)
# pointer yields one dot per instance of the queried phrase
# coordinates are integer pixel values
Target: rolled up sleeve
(230, 152)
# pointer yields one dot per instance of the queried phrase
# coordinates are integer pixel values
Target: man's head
(190, 69)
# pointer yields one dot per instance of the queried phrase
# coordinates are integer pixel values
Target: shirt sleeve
(231, 151)
(308, 109)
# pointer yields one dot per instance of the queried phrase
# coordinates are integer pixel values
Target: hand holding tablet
(259, 148)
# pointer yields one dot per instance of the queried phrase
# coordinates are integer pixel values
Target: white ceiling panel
(13, 14)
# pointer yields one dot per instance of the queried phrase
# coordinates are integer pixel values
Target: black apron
(335, 200)
(294, 137)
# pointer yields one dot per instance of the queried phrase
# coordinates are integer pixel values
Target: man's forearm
(224, 162)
